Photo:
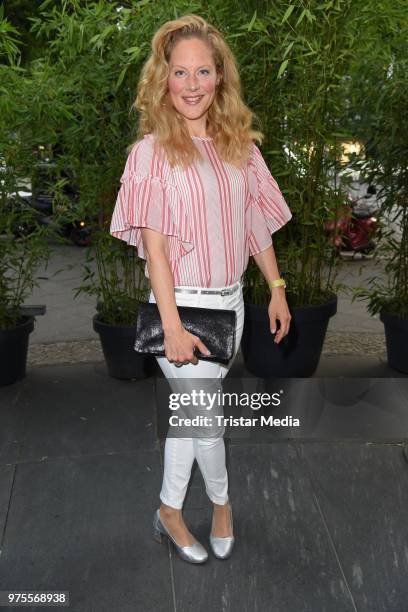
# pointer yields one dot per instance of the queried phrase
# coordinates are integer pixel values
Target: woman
(196, 200)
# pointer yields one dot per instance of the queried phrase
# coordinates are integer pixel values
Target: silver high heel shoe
(222, 547)
(195, 553)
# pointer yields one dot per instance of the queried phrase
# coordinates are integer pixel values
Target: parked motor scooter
(356, 226)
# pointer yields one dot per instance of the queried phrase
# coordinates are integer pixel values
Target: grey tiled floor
(320, 525)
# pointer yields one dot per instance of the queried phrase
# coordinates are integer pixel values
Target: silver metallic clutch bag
(215, 328)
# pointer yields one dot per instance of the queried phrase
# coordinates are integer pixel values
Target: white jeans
(179, 453)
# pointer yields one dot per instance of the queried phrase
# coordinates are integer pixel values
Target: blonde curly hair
(229, 119)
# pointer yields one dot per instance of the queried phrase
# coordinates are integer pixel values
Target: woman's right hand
(179, 346)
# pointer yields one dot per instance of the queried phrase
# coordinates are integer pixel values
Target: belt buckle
(225, 291)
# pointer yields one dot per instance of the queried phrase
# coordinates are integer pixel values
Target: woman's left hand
(278, 309)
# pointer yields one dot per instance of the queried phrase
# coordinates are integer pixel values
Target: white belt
(226, 291)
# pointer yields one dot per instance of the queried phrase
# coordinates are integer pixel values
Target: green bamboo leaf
(132, 50)
(282, 68)
(288, 48)
(44, 5)
(121, 77)
(302, 14)
(309, 15)
(288, 13)
(251, 23)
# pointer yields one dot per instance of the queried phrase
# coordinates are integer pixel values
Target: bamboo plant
(382, 100)
(94, 56)
(298, 92)
(295, 61)
(24, 244)
(114, 274)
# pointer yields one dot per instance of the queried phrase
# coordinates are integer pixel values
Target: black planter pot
(13, 351)
(396, 339)
(117, 345)
(298, 354)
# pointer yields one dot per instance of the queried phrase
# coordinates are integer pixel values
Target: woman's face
(192, 82)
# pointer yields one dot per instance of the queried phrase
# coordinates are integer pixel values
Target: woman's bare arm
(278, 308)
(178, 342)
(161, 279)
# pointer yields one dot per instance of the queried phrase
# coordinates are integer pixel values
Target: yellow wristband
(280, 282)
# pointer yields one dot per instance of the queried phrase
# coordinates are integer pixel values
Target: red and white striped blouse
(214, 214)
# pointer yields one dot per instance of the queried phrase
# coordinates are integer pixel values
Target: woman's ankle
(169, 511)
(221, 506)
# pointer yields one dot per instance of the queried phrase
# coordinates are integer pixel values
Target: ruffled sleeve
(268, 211)
(146, 200)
